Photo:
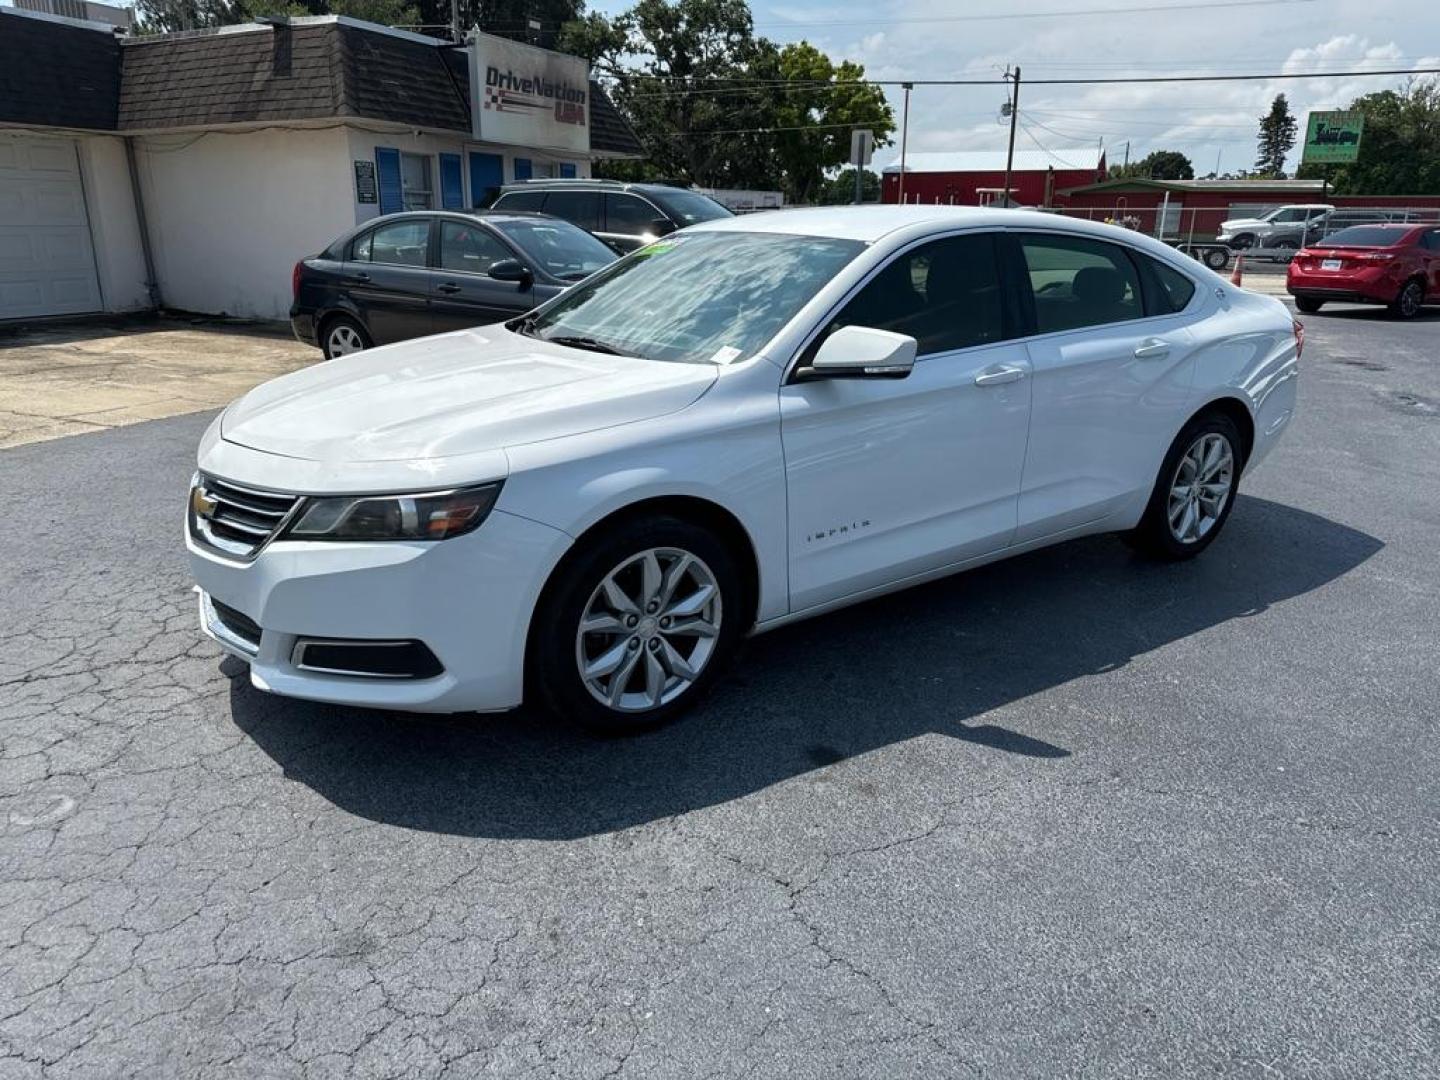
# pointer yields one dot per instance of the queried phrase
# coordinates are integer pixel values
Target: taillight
(1299, 329)
(1377, 256)
(295, 281)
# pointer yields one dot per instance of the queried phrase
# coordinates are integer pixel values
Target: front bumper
(468, 600)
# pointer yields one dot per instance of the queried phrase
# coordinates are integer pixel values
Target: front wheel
(1308, 304)
(636, 626)
(1407, 305)
(1195, 490)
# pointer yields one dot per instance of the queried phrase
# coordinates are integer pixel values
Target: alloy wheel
(648, 630)
(1201, 487)
(1410, 300)
(343, 339)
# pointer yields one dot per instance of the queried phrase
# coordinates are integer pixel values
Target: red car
(1395, 265)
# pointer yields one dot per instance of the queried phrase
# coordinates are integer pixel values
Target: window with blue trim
(523, 169)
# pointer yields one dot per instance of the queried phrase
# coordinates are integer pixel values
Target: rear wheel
(1194, 491)
(343, 336)
(636, 627)
(1411, 299)
(1308, 304)
(1216, 258)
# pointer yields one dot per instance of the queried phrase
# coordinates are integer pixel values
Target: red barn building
(1195, 208)
(977, 177)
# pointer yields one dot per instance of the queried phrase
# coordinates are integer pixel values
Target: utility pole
(1014, 117)
(455, 22)
(904, 130)
(1126, 167)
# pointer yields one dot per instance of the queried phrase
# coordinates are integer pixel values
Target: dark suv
(625, 216)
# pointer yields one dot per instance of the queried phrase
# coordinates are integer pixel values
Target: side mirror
(661, 227)
(511, 270)
(862, 352)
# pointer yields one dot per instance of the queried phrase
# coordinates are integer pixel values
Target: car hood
(453, 394)
(1243, 223)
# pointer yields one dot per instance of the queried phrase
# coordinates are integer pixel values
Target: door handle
(1153, 348)
(361, 276)
(999, 376)
(447, 287)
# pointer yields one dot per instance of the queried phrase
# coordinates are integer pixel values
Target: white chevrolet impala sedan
(750, 422)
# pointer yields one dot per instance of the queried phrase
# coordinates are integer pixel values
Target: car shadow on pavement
(932, 659)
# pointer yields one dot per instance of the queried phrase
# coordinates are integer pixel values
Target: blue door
(523, 168)
(387, 169)
(487, 173)
(452, 197)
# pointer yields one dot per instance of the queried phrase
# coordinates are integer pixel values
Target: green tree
(1276, 138)
(1399, 148)
(719, 107)
(839, 189)
(1157, 165)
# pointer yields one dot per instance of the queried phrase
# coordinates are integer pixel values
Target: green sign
(1332, 137)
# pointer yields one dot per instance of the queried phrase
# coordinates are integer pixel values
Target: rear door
(580, 208)
(388, 279)
(462, 291)
(629, 221)
(1112, 355)
(1430, 254)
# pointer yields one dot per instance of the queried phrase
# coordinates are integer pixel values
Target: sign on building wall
(1332, 137)
(365, 189)
(524, 96)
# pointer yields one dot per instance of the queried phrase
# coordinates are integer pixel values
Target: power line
(1045, 149)
(1138, 9)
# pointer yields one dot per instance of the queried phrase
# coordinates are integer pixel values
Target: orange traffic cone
(1238, 272)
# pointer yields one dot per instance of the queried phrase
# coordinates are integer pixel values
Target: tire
(1243, 242)
(1156, 535)
(1409, 301)
(1308, 304)
(608, 584)
(1216, 258)
(341, 335)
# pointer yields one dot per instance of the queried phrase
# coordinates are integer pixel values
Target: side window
(945, 294)
(1432, 239)
(360, 247)
(1174, 288)
(1079, 282)
(628, 214)
(577, 207)
(401, 243)
(520, 200)
(470, 248)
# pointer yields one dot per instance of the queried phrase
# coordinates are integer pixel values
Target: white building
(191, 171)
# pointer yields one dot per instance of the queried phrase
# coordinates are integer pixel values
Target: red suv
(1395, 265)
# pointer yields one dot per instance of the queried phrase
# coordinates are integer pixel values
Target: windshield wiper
(523, 325)
(590, 343)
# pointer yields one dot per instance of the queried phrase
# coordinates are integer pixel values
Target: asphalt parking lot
(1071, 815)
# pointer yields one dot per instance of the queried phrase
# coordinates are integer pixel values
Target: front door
(462, 292)
(1111, 375)
(892, 478)
(388, 281)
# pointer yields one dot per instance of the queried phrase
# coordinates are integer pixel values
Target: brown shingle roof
(35, 89)
(285, 72)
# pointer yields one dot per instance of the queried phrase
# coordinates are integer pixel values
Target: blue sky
(927, 39)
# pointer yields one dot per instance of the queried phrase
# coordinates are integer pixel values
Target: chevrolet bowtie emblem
(201, 503)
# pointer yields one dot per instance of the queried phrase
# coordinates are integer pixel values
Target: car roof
(870, 223)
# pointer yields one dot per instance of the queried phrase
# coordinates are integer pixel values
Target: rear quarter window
(519, 200)
(1172, 290)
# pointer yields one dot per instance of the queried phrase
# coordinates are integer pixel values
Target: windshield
(709, 297)
(689, 207)
(559, 248)
(1362, 236)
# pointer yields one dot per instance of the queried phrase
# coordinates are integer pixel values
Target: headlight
(431, 515)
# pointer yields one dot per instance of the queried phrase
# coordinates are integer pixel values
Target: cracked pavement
(1071, 815)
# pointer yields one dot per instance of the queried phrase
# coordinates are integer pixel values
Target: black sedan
(407, 275)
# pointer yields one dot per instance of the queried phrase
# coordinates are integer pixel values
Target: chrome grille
(234, 520)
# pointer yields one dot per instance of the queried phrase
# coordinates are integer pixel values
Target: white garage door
(47, 266)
